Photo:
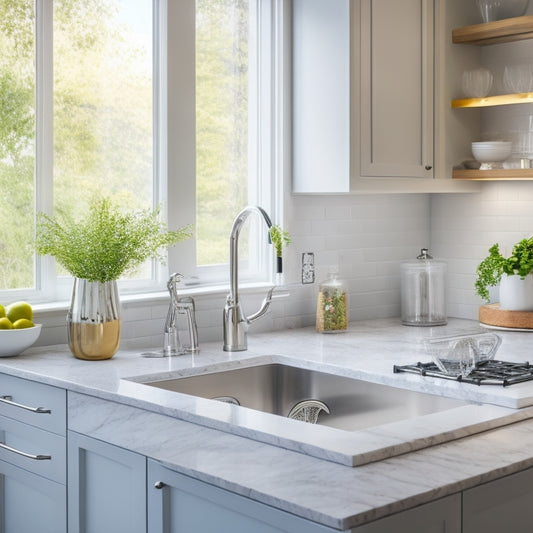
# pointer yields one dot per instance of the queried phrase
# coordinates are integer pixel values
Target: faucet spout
(235, 321)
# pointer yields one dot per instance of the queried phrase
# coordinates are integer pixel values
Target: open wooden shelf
(499, 31)
(498, 100)
(509, 174)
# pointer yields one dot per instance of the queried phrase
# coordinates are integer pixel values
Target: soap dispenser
(332, 305)
(423, 291)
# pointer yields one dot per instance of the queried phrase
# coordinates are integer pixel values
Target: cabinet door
(30, 503)
(501, 505)
(397, 88)
(106, 487)
(180, 504)
(441, 516)
(321, 96)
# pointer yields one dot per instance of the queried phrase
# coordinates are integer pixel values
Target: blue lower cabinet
(180, 504)
(30, 503)
(106, 487)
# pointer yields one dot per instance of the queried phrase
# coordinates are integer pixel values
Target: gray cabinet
(180, 504)
(501, 505)
(32, 457)
(441, 516)
(362, 94)
(371, 96)
(397, 88)
(106, 487)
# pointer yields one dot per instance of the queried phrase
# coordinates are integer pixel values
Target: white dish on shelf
(491, 154)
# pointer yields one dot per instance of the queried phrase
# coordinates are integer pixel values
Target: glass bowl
(518, 78)
(458, 355)
(491, 10)
(476, 83)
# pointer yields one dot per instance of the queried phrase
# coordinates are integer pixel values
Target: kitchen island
(107, 402)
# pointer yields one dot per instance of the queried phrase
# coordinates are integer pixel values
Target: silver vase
(93, 320)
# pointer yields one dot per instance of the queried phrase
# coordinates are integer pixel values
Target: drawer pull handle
(39, 410)
(24, 454)
(159, 484)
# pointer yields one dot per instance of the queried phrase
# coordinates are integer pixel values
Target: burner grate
(486, 373)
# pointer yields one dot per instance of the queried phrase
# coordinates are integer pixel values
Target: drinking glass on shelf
(477, 83)
(518, 78)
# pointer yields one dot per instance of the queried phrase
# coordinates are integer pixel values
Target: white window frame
(268, 127)
(174, 142)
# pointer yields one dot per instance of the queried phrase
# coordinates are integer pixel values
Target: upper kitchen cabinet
(321, 96)
(368, 112)
(396, 88)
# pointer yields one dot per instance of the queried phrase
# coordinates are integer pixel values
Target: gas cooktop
(491, 372)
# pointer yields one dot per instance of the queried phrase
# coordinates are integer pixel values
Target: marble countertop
(207, 439)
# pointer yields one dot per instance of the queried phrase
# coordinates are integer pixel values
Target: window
(224, 53)
(147, 101)
(236, 77)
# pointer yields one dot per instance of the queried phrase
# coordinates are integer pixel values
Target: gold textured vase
(93, 320)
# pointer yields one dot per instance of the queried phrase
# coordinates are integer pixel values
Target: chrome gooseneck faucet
(235, 322)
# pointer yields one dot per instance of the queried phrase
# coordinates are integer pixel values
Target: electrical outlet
(308, 268)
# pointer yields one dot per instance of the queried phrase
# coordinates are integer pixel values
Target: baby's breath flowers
(107, 243)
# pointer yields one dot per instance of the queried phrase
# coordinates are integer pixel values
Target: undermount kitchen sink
(295, 392)
(355, 421)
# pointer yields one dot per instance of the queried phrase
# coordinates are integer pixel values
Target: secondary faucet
(235, 321)
(183, 305)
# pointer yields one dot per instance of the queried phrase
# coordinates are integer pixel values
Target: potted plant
(513, 274)
(97, 250)
(279, 238)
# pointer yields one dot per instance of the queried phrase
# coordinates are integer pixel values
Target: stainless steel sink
(278, 388)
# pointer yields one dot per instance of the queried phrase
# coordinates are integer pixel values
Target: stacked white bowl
(491, 154)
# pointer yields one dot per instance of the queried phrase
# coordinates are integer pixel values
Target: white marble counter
(164, 425)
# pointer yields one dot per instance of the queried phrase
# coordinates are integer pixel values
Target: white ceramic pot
(516, 294)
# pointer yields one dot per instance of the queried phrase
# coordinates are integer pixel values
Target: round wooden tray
(492, 315)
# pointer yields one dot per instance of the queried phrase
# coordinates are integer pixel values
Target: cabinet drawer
(30, 503)
(33, 403)
(33, 449)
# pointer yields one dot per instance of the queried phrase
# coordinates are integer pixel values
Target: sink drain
(308, 411)
(227, 399)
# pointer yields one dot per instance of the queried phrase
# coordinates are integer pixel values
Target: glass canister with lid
(423, 291)
(332, 305)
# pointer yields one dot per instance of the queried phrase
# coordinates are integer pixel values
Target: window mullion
(44, 86)
(181, 130)
(159, 117)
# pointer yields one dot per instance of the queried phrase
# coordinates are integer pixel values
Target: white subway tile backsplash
(463, 227)
(368, 237)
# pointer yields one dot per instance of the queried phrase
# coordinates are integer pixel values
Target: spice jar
(332, 306)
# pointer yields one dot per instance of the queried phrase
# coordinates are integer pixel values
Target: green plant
(106, 243)
(491, 269)
(279, 239)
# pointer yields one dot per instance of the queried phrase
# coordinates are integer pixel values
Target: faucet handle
(278, 292)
